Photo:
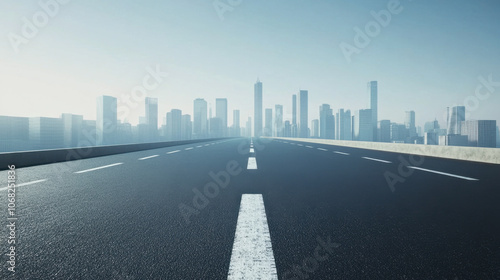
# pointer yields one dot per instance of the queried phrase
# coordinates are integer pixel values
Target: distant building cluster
(364, 124)
(68, 131)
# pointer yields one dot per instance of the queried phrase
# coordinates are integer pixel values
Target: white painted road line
(310, 147)
(292, 143)
(97, 168)
(252, 150)
(25, 184)
(173, 152)
(376, 159)
(148, 157)
(443, 173)
(199, 146)
(341, 153)
(252, 256)
(300, 145)
(321, 149)
(187, 149)
(252, 163)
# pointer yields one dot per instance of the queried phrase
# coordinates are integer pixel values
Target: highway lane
(129, 220)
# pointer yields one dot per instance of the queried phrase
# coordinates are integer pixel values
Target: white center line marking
(199, 146)
(173, 152)
(252, 256)
(25, 184)
(376, 159)
(97, 168)
(321, 149)
(252, 163)
(310, 147)
(292, 143)
(148, 157)
(190, 148)
(207, 145)
(300, 145)
(443, 173)
(341, 153)
(252, 150)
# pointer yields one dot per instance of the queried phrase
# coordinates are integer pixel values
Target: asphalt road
(332, 213)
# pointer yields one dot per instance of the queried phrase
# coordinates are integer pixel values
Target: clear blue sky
(428, 57)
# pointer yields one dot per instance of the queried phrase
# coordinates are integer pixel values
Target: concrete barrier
(33, 158)
(486, 155)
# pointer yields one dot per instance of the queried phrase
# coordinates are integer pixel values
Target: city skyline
(412, 74)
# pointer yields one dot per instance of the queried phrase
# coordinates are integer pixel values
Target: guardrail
(485, 155)
(39, 157)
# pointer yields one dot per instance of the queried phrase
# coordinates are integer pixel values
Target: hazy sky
(429, 56)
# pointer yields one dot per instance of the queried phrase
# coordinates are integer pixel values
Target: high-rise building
(303, 117)
(257, 109)
(186, 127)
(363, 126)
(399, 133)
(278, 121)
(287, 129)
(236, 124)
(221, 113)
(315, 128)
(14, 134)
(293, 127)
(373, 90)
(343, 125)
(200, 122)
(456, 115)
(432, 126)
(106, 121)
(46, 133)
(72, 126)
(410, 123)
(481, 133)
(216, 128)
(268, 128)
(431, 138)
(326, 122)
(248, 127)
(152, 118)
(384, 131)
(174, 124)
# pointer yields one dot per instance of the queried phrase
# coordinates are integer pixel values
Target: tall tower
(293, 127)
(303, 127)
(278, 121)
(200, 129)
(257, 109)
(106, 121)
(221, 113)
(455, 118)
(152, 117)
(373, 90)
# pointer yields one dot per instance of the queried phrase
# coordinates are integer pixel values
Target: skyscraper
(363, 125)
(455, 118)
(186, 127)
(343, 125)
(480, 133)
(200, 129)
(152, 118)
(221, 113)
(236, 124)
(326, 122)
(257, 109)
(384, 131)
(174, 124)
(315, 128)
(410, 123)
(303, 117)
(46, 133)
(106, 121)
(293, 127)
(278, 121)
(72, 126)
(373, 90)
(268, 128)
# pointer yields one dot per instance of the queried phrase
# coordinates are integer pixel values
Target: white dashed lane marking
(25, 184)
(148, 157)
(98, 168)
(173, 152)
(252, 256)
(252, 163)
(444, 173)
(376, 159)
